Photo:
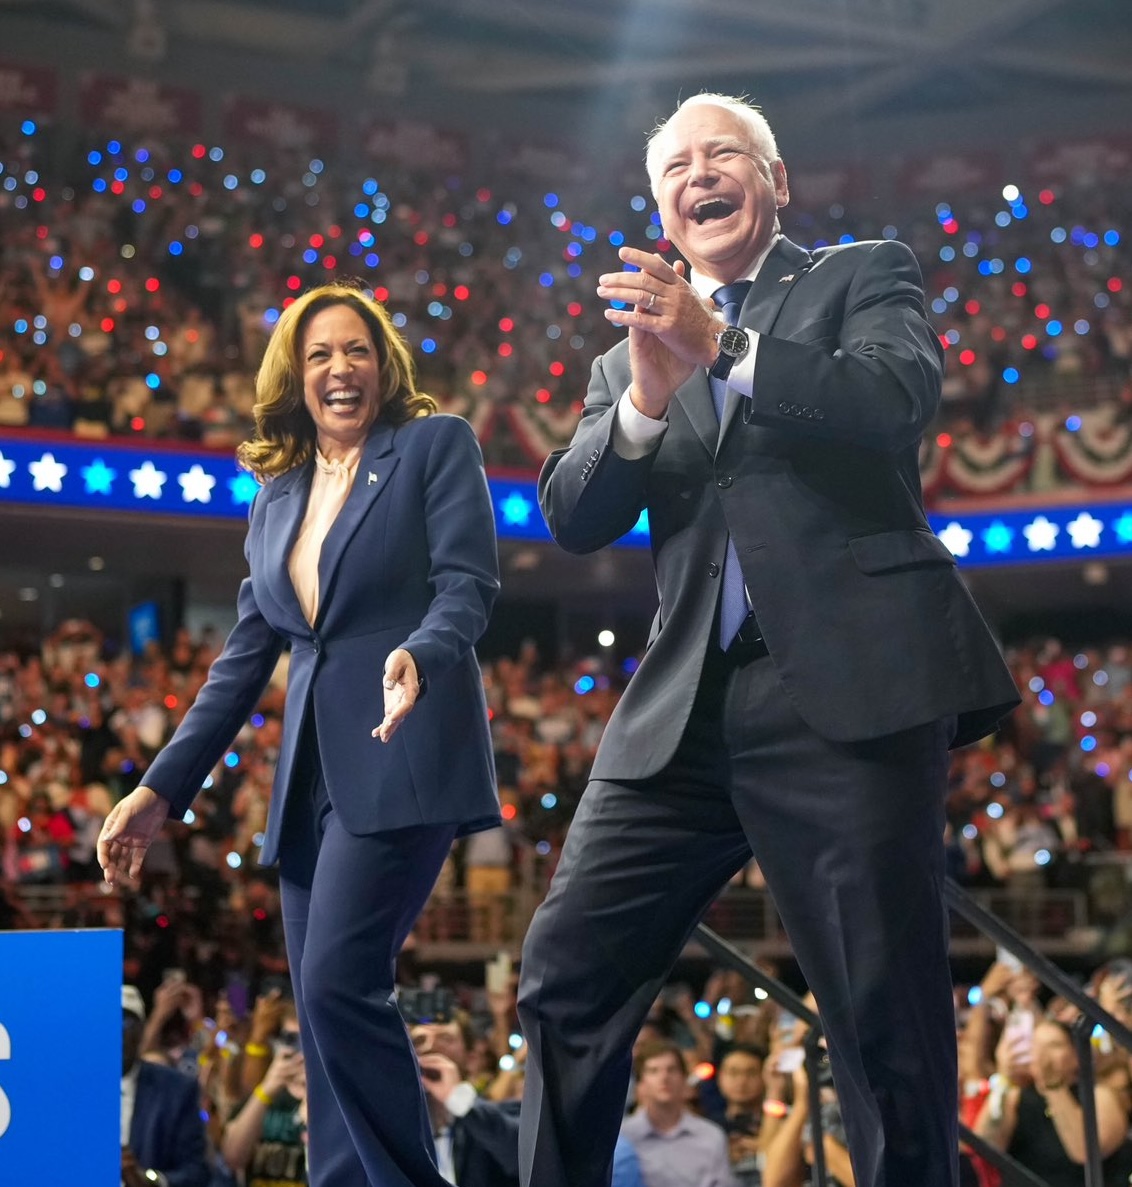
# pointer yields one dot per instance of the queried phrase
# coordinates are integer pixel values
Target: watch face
(733, 342)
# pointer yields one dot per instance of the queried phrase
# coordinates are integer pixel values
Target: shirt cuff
(634, 434)
(461, 1099)
(742, 377)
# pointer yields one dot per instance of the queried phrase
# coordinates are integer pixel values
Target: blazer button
(783, 406)
(819, 414)
(725, 481)
(713, 569)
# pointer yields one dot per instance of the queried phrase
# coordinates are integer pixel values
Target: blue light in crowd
(1022, 265)
(550, 201)
(372, 259)
(94, 157)
(1021, 210)
(271, 316)
(637, 202)
(542, 848)
(257, 720)
(546, 280)
(503, 217)
(997, 779)
(361, 210)
(943, 212)
(310, 256)
(400, 320)
(974, 994)
(113, 147)
(985, 268)
(1036, 684)
(1112, 238)
(1042, 857)
(1073, 423)
(947, 253)
(998, 537)
(258, 176)
(630, 665)
(138, 206)
(1002, 218)
(98, 185)
(1088, 742)
(28, 127)
(970, 832)
(1053, 327)
(1081, 326)
(574, 270)
(583, 685)
(176, 248)
(616, 238)
(1091, 239)
(654, 218)
(175, 176)
(142, 155)
(234, 861)
(428, 345)
(206, 784)
(723, 1006)
(216, 154)
(369, 186)
(38, 717)
(1010, 375)
(231, 759)
(1058, 235)
(1045, 697)
(702, 1009)
(20, 325)
(994, 810)
(549, 800)
(152, 381)
(939, 305)
(92, 680)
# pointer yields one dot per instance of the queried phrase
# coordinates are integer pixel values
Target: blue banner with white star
(140, 478)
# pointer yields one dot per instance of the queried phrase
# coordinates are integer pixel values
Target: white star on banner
(1041, 535)
(6, 468)
(957, 538)
(1085, 531)
(196, 485)
(47, 473)
(148, 481)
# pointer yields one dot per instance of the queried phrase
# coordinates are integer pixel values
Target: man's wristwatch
(733, 343)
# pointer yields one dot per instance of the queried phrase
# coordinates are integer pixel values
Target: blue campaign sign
(60, 1058)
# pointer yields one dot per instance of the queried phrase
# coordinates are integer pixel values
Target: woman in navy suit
(372, 555)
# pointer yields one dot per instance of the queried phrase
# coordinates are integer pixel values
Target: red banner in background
(947, 174)
(282, 125)
(410, 144)
(138, 105)
(30, 90)
(1092, 159)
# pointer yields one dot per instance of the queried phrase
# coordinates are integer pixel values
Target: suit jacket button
(783, 406)
(713, 569)
(819, 414)
(725, 481)
(807, 412)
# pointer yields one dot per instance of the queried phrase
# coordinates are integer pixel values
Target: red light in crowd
(113, 286)
(137, 423)
(1041, 311)
(943, 440)
(192, 335)
(1019, 289)
(951, 226)
(41, 232)
(483, 194)
(1, 356)
(1115, 284)
(461, 292)
(39, 193)
(335, 232)
(255, 240)
(420, 238)
(294, 283)
(381, 293)
(556, 368)
(330, 262)
(259, 914)
(316, 240)
(439, 289)
(967, 357)
(505, 349)
(106, 325)
(199, 150)
(998, 334)
(944, 342)
(152, 284)
(449, 220)
(479, 378)
(117, 187)
(972, 307)
(508, 811)
(1046, 197)
(288, 301)
(576, 408)
(574, 309)
(542, 395)
(1029, 341)
(491, 714)
(120, 305)
(171, 702)
(162, 921)
(704, 1071)
(196, 189)
(155, 192)
(662, 244)
(506, 325)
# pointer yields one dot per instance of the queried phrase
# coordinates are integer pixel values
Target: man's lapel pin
(787, 278)
(371, 479)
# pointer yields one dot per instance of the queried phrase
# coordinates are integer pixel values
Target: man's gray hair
(762, 138)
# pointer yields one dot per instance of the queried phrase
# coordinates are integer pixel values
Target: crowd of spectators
(138, 283)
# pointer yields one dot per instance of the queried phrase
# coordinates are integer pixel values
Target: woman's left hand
(401, 688)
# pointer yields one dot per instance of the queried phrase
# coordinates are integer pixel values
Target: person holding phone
(372, 556)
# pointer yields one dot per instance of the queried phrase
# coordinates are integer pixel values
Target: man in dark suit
(163, 1138)
(813, 657)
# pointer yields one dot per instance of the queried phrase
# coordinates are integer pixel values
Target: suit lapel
(375, 466)
(289, 495)
(778, 275)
